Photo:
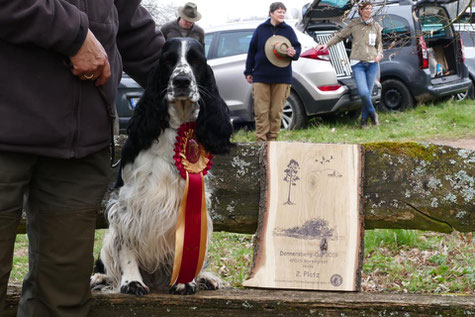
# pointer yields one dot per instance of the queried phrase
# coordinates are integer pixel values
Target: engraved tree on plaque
(291, 177)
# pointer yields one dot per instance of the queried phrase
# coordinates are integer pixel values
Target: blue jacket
(257, 63)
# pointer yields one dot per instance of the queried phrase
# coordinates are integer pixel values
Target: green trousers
(61, 197)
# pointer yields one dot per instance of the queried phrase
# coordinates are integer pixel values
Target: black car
(128, 94)
(467, 31)
(423, 56)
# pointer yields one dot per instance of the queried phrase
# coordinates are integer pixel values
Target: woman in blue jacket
(268, 68)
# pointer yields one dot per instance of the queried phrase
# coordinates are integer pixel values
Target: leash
(111, 112)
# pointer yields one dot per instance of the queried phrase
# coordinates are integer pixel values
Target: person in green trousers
(61, 62)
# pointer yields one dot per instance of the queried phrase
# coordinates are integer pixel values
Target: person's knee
(364, 94)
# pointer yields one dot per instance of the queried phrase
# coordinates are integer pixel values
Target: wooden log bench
(406, 185)
(272, 303)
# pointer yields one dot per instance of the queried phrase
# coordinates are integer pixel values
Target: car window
(455, 8)
(325, 9)
(335, 3)
(208, 40)
(467, 18)
(468, 39)
(396, 31)
(234, 43)
(434, 22)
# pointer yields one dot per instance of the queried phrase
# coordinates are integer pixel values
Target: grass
(418, 262)
(20, 260)
(394, 260)
(448, 120)
(230, 256)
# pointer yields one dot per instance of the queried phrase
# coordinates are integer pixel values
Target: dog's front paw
(209, 281)
(134, 288)
(99, 281)
(184, 289)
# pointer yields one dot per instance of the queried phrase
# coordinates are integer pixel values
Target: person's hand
(321, 47)
(378, 58)
(291, 51)
(249, 79)
(90, 62)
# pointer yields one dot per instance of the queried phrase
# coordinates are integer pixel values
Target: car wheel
(395, 96)
(460, 96)
(469, 94)
(293, 115)
(471, 91)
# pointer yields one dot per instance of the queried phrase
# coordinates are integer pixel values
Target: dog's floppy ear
(149, 119)
(214, 128)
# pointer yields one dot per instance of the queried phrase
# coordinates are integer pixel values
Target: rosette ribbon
(193, 163)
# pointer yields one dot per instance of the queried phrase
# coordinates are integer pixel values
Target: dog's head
(183, 70)
(182, 63)
(182, 88)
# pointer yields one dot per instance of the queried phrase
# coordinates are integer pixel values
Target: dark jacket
(172, 29)
(44, 109)
(257, 63)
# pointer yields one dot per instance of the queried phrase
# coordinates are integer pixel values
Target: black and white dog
(138, 251)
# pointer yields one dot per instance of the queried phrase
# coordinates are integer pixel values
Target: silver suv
(316, 89)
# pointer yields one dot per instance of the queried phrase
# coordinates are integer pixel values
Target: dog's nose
(181, 81)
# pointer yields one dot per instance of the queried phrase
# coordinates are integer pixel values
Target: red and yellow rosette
(193, 163)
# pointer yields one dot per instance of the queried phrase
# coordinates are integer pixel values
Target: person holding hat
(184, 25)
(366, 52)
(273, 46)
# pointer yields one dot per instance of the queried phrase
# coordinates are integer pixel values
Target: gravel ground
(467, 143)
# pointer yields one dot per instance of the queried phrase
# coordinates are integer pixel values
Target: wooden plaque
(310, 223)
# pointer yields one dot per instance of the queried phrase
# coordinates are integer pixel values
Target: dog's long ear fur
(214, 128)
(150, 118)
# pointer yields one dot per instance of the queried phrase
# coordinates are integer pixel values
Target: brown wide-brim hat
(189, 12)
(276, 50)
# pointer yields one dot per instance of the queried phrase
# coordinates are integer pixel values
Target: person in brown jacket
(366, 53)
(60, 65)
(185, 25)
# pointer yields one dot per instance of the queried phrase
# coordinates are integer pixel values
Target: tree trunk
(315, 242)
(272, 303)
(407, 185)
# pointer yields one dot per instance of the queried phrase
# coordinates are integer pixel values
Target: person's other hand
(90, 62)
(291, 51)
(378, 58)
(321, 47)
(249, 79)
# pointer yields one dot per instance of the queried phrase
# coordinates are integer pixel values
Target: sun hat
(276, 50)
(189, 12)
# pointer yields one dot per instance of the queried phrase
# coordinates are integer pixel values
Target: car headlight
(133, 102)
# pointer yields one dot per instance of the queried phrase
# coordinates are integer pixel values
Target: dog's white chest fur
(149, 201)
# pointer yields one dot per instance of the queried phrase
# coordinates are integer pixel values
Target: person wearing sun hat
(184, 25)
(274, 45)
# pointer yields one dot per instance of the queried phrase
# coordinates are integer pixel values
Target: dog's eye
(169, 60)
(195, 58)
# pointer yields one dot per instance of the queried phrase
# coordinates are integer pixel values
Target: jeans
(365, 75)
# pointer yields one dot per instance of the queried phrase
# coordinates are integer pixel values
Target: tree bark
(271, 303)
(407, 185)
